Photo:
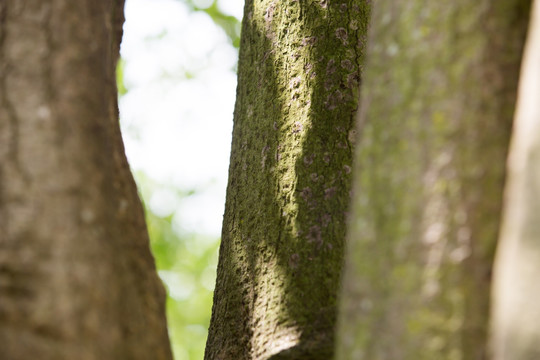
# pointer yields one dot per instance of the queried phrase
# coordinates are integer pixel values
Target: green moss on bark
(437, 105)
(289, 180)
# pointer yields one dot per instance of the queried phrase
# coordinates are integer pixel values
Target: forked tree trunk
(289, 180)
(516, 310)
(436, 111)
(77, 280)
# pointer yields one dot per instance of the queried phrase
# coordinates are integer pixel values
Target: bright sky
(177, 116)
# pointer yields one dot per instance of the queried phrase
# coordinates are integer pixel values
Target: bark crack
(48, 72)
(13, 153)
(6, 104)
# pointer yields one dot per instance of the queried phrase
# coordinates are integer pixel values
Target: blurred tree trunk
(436, 112)
(289, 180)
(77, 280)
(516, 311)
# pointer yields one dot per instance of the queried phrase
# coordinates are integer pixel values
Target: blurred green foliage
(228, 23)
(186, 262)
(121, 86)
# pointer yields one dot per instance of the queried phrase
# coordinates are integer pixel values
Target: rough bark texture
(516, 311)
(289, 180)
(77, 280)
(436, 112)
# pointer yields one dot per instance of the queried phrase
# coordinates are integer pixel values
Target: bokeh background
(177, 83)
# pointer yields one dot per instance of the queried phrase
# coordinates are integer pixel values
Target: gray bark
(77, 280)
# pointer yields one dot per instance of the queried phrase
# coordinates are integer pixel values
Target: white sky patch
(232, 7)
(163, 202)
(177, 115)
(180, 285)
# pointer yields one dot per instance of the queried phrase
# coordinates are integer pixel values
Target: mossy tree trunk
(77, 280)
(289, 180)
(516, 311)
(435, 117)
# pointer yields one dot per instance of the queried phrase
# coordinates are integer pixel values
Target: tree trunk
(436, 111)
(289, 180)
(77, 280)
(516, 314)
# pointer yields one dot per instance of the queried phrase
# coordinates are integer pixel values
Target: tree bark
(289, 179)
(434, 124)
(516, 315)
(77, 280)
